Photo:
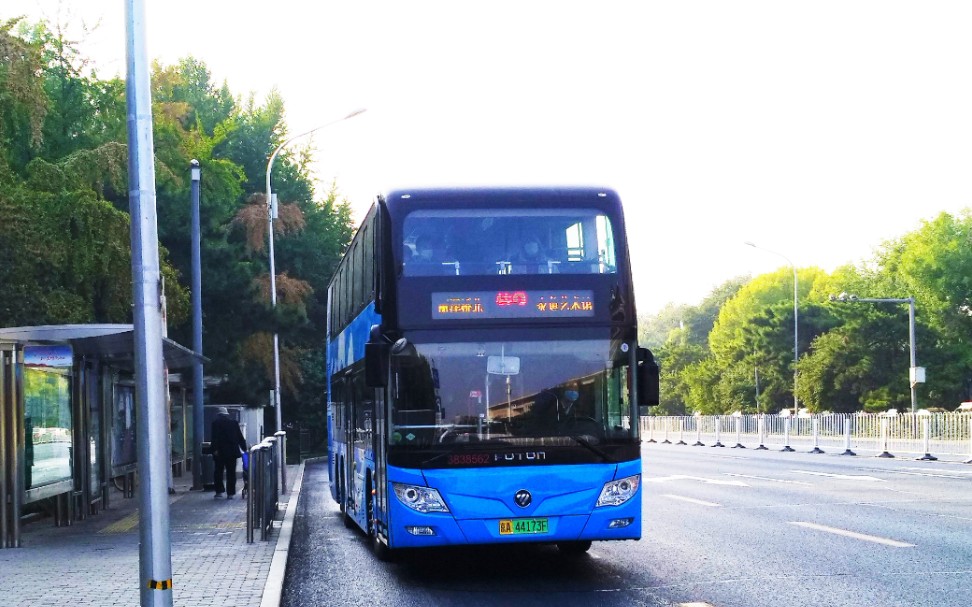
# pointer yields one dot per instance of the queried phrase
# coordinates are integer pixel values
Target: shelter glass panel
(47, 426)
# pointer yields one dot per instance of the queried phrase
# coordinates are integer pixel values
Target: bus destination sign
(513, 304)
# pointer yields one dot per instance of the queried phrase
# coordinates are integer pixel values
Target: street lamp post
(915, 374)
(796, 324)
(198, 418)
(271, 215)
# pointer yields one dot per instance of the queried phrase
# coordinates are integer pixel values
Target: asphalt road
(724, 527)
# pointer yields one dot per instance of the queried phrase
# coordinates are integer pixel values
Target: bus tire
(574, 548)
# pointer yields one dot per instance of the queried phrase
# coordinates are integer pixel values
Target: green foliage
(679, 337)
(853, 356)
(64, 223)
(674, 357)
(695, 321)
(64, 259)
(23, 102)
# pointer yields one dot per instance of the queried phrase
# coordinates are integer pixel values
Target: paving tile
(96, 561)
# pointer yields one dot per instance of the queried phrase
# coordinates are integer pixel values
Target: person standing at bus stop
(227, 446)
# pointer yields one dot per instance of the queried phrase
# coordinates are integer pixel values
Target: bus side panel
(564, 496)
(343, 351)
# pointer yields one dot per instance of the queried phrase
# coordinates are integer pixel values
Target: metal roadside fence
(266, 471)
(925, 434)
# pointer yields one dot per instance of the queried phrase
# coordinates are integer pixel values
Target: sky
(815, 129)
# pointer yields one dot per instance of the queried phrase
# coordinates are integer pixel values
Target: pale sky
(817, 129)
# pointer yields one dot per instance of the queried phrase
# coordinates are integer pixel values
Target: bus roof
(514, 194)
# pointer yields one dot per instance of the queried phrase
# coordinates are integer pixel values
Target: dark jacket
(226, 438)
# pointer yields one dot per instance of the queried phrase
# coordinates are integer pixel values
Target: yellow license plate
(523, 526)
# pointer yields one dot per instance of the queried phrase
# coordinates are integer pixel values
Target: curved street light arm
(273, 270)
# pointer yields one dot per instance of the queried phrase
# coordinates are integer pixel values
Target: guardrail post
(651, 430)
(718, 423)
(681, 432)
(666, 441)
(884, 438)
(816, 436)
(698, 433)
(928, 457)
(738, 444)
(761, 424)
(251, 491)
(269, 487)
(847, 437)
(282, 443)
(969, 461)
(786, 436)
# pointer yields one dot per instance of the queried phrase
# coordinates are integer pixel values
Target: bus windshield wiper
(433, 459)
(587, 445)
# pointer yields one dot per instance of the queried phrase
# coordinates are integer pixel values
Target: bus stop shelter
(67, 420)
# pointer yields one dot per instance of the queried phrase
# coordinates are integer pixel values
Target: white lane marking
(691, 500)
(853, 534)
(929, 474)
(926, 469)
(842, 477)
(682, 477)
(773, 480)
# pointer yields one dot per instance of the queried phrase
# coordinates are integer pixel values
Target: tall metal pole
(913, 355)
(271, 215)
(796, 337)
(911, 343)
(198, 419)
(796, 324)
(155, 555)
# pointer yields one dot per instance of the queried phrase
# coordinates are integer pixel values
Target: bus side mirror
(376, 364)
(648, 379)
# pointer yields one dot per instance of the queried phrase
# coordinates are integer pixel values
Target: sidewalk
(96, 561)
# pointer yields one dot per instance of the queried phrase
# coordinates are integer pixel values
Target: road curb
(273, 589)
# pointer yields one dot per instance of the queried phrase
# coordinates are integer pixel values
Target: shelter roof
(114, 343)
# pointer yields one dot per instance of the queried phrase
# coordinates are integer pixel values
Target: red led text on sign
(511, 298)
(513, 304)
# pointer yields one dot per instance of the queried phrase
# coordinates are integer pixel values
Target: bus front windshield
(477, 242)
(526, 393)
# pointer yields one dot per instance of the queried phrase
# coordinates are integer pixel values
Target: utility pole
(154, 551)
(916, 374)
(198, 420)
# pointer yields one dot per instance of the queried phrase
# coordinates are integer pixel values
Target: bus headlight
(618, 492)
(420, 499)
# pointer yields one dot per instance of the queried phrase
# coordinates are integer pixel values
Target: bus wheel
(574, 548)
(381, 549)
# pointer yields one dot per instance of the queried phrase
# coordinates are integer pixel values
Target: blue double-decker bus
(484, 373)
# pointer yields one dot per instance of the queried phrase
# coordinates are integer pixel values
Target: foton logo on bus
(511, 298)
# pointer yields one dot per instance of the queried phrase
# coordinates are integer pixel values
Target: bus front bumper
(412, 529)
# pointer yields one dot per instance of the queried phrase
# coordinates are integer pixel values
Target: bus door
(360, 432)
(346, 392)
(379, 442)
(342, 455)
